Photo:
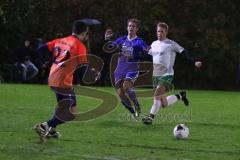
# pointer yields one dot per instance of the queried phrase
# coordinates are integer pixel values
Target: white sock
(45, 124)
(155, 107)
(171, 99)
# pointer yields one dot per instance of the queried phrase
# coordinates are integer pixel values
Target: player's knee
(120, 92)
(164, 101)
(127, 85)
(158, 97)
(160, 89)
(126, 89)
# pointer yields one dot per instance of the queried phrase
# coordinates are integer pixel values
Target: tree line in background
(208, 28)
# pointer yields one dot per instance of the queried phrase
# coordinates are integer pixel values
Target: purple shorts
(120, 77)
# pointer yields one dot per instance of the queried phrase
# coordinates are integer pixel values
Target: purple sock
(127, 104)
(54, 122)
(133, 97)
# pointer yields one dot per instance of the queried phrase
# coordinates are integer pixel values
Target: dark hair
(79, 27)
(138, 23)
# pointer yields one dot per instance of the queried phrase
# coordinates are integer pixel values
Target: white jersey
(164, 53)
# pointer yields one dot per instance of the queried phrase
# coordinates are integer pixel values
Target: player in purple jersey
(127, 70)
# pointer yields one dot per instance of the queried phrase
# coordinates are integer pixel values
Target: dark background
(208, 28)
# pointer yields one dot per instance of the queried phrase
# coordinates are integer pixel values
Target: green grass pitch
(213, 119)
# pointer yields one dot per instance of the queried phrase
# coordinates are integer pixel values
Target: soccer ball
(181, 131)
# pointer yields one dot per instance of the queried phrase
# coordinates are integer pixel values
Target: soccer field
(213, 119)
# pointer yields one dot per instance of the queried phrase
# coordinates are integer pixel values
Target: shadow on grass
(163, 148)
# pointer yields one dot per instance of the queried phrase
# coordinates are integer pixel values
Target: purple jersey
(130, 51)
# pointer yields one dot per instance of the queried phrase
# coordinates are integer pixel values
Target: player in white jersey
(164, 52)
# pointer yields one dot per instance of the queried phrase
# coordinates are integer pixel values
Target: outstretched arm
(190, 58)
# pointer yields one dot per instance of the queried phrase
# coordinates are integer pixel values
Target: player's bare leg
(125, 100)
(159, 101)
(128, 88)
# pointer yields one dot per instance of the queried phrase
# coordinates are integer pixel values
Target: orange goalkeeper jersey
(68, 53)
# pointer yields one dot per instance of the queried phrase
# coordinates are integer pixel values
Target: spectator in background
(23, 62)
(41, 60)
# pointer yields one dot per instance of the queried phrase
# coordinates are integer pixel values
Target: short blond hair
(138, 23)
(163, 25)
